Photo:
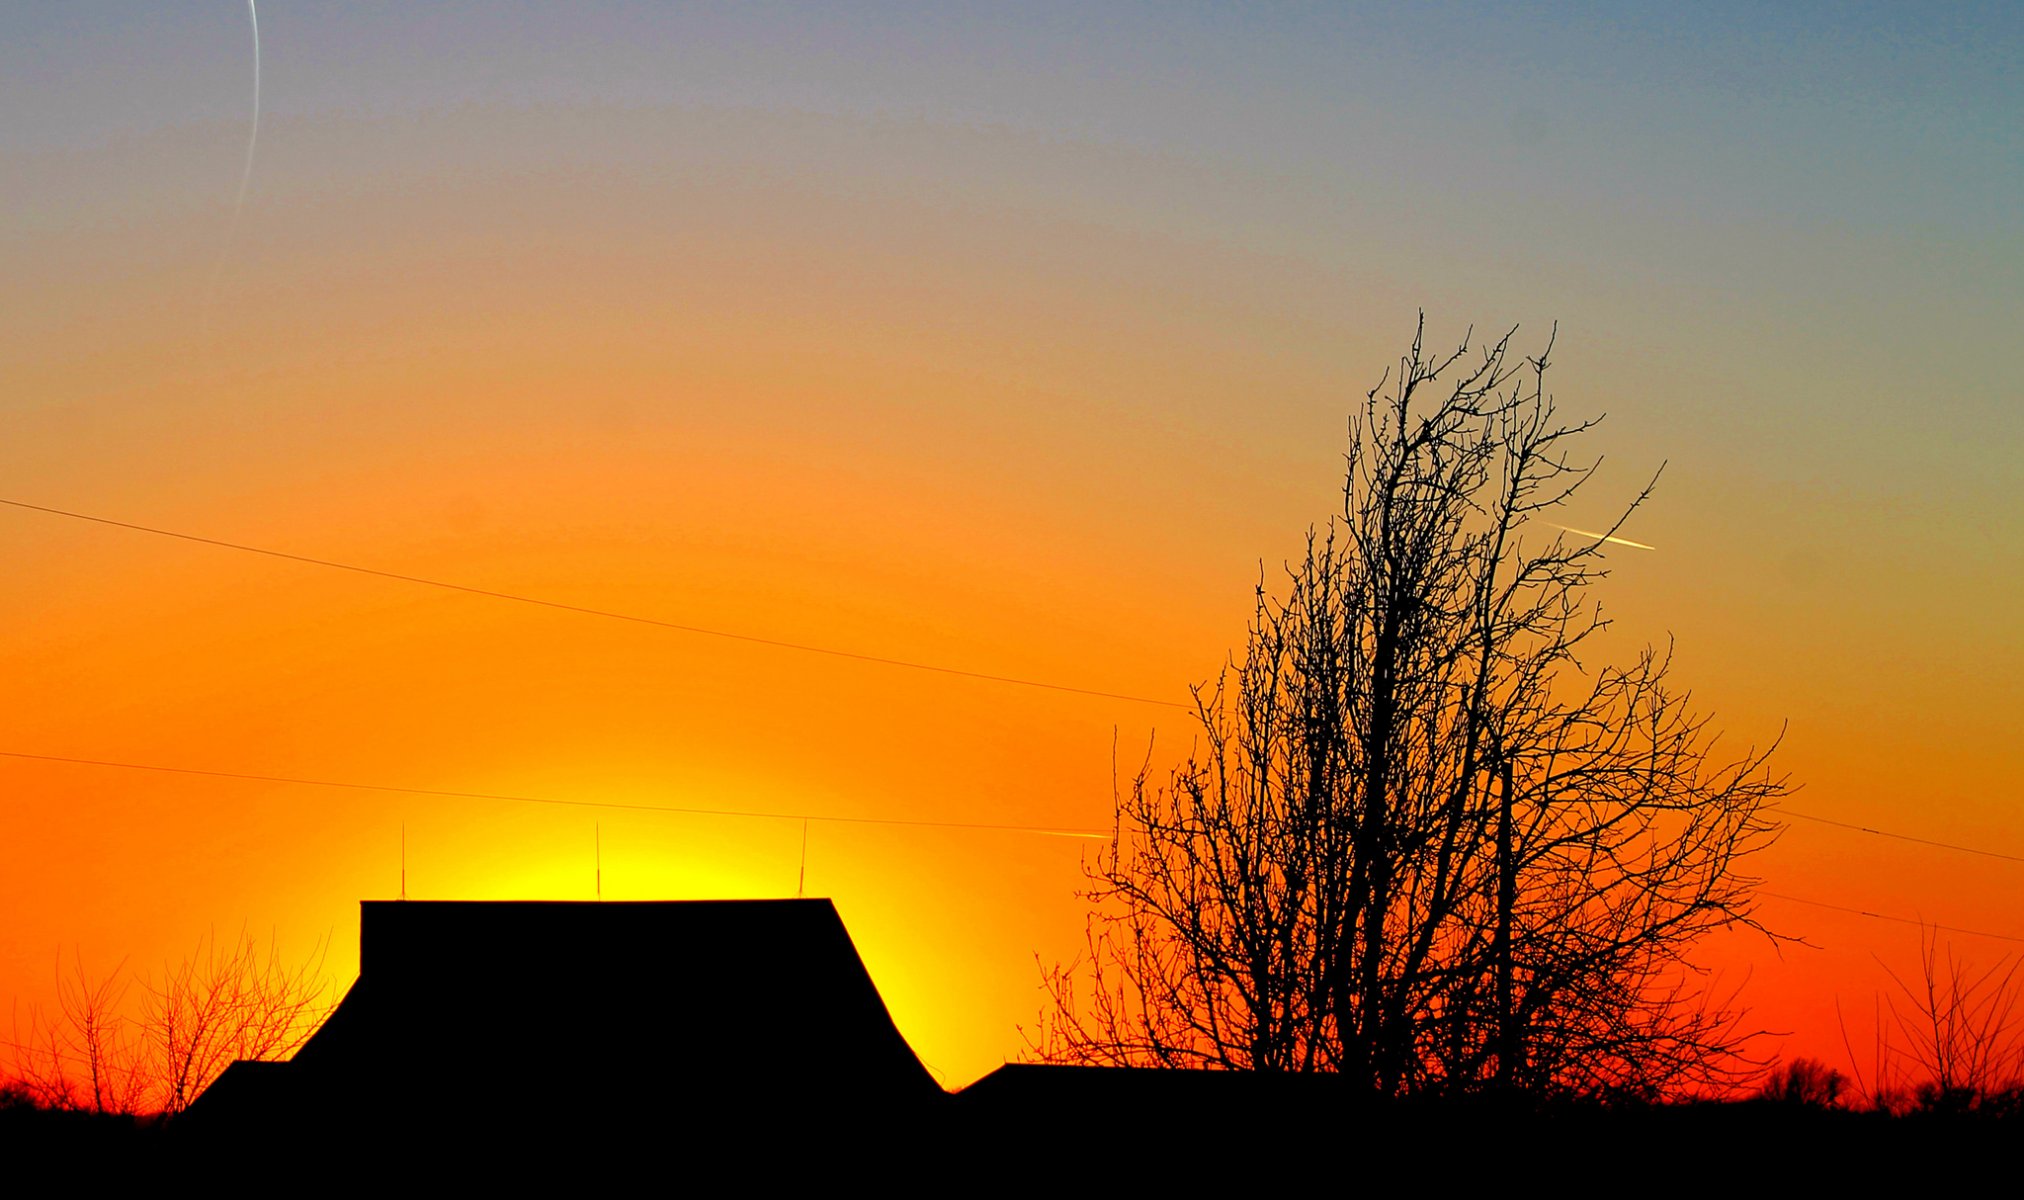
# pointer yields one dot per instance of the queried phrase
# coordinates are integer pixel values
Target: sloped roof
(590, 1012)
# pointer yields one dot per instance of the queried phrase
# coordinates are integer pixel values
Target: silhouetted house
(741, 1045)
(499, 1037)
(664, 1023)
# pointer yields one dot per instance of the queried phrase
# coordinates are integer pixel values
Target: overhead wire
(1068, 831)
(607, 614)
(1877, 916)
(803, 647)
(680, 810)
(1902, 837)
(58, 1055)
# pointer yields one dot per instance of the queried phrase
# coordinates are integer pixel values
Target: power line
(1903, 837)
(1065, 831)
(1048, 830)
(1877, 916)
(608, 614)
(59, 1055)
(1054, 831)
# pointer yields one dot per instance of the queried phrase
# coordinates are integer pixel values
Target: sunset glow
(893, 413)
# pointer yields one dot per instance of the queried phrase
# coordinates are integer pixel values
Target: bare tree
(1951, 1038)
(1414, 842)
(102, 1041)
(223, 1003)
(44, 1071)
(85, 1058)
(218, 1006)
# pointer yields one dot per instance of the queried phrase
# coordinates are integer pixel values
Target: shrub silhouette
(1806, 1082)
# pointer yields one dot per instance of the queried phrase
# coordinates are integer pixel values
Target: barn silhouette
(485, 1021)
(495, 1038)
(743, 1043)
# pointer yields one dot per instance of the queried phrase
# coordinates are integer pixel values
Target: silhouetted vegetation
(121, 1045)
(1949, 1040)
(1416, 842)
(766, 1055)
(1805, 1082)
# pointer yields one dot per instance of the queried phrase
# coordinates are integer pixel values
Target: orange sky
(930, 368)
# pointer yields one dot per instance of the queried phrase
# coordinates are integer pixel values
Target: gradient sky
(1008, 338)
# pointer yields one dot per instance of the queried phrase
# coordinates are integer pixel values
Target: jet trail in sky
(1603, 537)
(252, 138)
(245, 173)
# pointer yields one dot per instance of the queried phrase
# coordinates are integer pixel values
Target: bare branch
(1414, 842)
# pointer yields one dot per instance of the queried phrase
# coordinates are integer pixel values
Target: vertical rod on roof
(404, 860)
(597, 832)
(801, 880)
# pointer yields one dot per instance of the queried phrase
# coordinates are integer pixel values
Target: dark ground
(1024, 1138)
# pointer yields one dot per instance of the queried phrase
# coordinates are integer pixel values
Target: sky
(1013, 339)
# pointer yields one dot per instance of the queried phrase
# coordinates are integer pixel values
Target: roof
(482, 1012)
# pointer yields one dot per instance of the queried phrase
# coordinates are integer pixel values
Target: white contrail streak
(245, 174)
(1604, 537)
(252, 138)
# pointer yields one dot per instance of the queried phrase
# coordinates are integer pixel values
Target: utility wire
(59, 1055)
(1902, 837)
(1048, 830)
(1877, 916)
(608, 614)
(985, 826)
(1063, 831)
(808, 649)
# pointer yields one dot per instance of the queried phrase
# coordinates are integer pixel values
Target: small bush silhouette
(1805, 1082)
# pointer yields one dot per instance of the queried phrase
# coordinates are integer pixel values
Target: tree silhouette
(222, 1003)
(1806, 1083)
(1949, 1039)
(1415, 842)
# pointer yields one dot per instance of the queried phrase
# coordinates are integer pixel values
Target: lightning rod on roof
(597, 833)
